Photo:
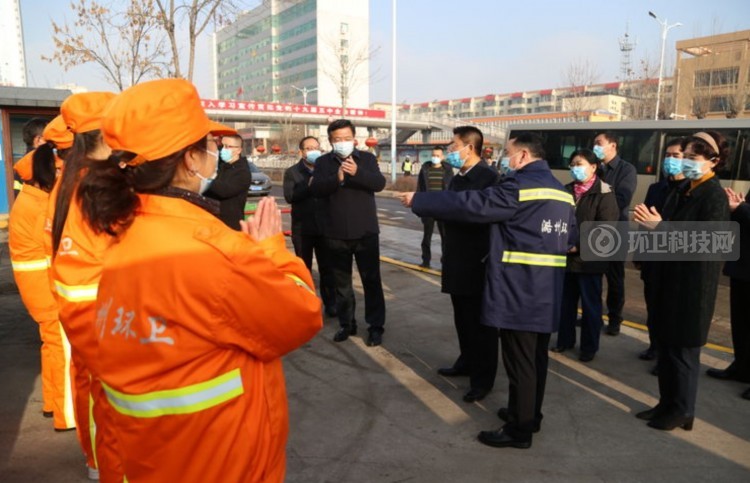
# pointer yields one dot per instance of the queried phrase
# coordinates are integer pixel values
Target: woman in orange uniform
(192, 317)
(76, 268)
(30, 269)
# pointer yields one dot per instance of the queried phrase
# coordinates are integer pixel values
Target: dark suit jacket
(230, 189)
(621, 176)
(351, 211)
(308, 212)
(685, 292)
(741, 268)
(467, 244)
(597, 204)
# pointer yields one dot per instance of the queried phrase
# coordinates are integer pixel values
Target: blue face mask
(672, 166)
(505, 166)
(435, 160)
(454, 159)
(598, 151)
(578, 173)
(692, 169)
(225, 154)
(312, 156)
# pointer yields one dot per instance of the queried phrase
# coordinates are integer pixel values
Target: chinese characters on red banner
(289, 108)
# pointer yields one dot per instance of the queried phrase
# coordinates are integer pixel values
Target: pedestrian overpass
(256, 112)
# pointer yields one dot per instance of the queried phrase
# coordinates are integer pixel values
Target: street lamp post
(305, 91)
(664, 29)
(393, 92)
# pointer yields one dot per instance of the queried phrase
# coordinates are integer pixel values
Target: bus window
(639, 147)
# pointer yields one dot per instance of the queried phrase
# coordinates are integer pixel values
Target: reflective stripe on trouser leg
(60, 377)
(48, 394)
(67, 395)
(82, 406)
(107, 446)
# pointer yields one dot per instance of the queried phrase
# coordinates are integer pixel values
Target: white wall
(12, 61)
(331, 14)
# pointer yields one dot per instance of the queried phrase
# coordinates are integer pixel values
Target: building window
(344, 28)
(344, 44)
(717, 77)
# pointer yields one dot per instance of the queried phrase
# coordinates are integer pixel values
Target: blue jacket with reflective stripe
(533, 226)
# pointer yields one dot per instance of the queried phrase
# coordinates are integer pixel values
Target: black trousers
(525, 358)
(739, 310)
(366, 252)
(678, 377)
(428, 225)
(588, 288)
(304, 247)
(650, 296)
(615, 292)
(478, 342)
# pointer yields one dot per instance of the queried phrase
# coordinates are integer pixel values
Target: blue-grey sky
(460, 48)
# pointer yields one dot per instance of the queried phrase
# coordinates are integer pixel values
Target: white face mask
(343, 149)
(206, 182)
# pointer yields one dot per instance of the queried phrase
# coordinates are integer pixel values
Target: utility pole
(664, 29)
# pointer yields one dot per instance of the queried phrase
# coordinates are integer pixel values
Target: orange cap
(83, 112)
(25, 166)
(157, 118)
(57, 132)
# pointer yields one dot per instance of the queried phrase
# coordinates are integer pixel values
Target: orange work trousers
(57, 387)
(107, 448)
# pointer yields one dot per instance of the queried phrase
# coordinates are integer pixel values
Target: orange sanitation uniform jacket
(192, 320)
(30, 269)
(76, 270)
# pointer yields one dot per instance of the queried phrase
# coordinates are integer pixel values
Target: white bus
(642, 144)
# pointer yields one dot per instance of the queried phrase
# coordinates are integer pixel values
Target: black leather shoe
(64, 430)
(746, 394)
(586, 356)
(648, 355)
(728, 374)
(48, 414)
(501, 439)
(475, 395)
(343, 333)
(613, 329)
(374, 339)
(504, 415)
(452, 372)
(650, 414)
(560, 349)
(668, 422)
(424, 265)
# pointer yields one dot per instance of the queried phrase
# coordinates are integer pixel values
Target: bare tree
(580, 75)
(348, 70)
(127, 45)
(641, 91)
(199, 14)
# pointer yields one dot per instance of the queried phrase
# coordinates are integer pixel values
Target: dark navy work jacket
(533, 227)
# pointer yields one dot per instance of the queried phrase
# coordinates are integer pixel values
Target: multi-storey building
(610, 101)
(12, 57)
(713, 76)
(302, 51)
